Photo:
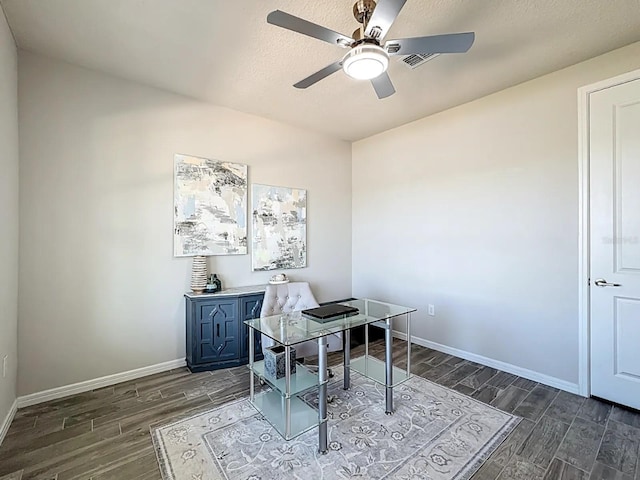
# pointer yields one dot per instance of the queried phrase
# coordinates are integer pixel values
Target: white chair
(292, 297)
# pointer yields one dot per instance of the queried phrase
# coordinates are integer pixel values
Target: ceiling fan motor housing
(363, 9)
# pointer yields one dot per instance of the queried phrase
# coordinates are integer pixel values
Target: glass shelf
(302, 380)
(273, 406)
(379, 324)
(374, 369)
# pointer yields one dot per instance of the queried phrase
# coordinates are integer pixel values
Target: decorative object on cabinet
(215, 333)
(199, 274)
(214, 284)
(210, 207)
(279, 227)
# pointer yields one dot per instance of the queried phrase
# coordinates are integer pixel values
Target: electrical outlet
(5, 361)
(432, 310)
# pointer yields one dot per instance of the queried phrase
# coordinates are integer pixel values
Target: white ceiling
(223, 51)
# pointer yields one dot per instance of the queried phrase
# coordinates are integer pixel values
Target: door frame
(584, 312)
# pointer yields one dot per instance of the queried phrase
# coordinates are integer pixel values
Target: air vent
(414, 61)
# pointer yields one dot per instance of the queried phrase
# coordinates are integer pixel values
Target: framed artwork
(210, 207)
(279, 227)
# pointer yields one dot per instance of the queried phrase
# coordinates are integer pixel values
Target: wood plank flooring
(104, 434)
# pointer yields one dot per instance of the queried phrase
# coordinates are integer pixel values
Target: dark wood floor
(104, 434)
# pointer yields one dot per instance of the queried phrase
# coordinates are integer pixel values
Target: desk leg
(408, 345)
(322, 394)
(251, 356)
(347, 359)
(287, 389)
(388, 363)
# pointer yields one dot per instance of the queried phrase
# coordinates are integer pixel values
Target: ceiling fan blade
(383, 16)
(319, 75)
(383, 86)
(297, 24)
(450, 43)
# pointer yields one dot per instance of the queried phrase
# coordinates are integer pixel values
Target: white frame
(584, 379)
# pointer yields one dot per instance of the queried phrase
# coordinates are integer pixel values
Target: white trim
(4, 428)
(611, 82)
(490, 362)
(584, 354)
(59, 392)
(584, 320)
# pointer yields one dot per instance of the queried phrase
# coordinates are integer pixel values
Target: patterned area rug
(435, 433)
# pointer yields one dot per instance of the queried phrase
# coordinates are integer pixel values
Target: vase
(217, 282)
(199, 274)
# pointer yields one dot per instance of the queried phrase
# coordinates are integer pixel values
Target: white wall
(100, 290)
(8, 216)
(475, 210)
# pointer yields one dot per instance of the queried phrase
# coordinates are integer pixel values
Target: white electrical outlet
(5, 361)
(432, 310)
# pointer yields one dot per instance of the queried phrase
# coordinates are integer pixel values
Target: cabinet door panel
(219, 331)
(250, 308)
(206, 332)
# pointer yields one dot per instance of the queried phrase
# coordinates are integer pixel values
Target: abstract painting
(279, 227)
(210, 207)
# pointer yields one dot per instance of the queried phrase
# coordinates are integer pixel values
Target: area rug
(435, 433)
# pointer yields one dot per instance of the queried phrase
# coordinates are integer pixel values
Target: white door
(614, 156)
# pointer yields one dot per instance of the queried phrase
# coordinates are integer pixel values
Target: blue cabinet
(250, 307)
(216, 334)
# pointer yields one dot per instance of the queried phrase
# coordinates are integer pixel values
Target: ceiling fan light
(365, 62)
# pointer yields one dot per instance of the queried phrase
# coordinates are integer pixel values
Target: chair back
(287, 297)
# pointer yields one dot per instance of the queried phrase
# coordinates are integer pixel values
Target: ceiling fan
(368, 56)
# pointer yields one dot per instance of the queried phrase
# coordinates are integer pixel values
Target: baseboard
(4, 428)
(490, 362)
(86, 386)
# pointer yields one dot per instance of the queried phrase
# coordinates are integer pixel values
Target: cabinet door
(250, 307)
(217, 331)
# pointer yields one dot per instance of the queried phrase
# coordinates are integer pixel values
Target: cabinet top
(229, 292)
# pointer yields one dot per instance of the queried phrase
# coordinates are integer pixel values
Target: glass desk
(282, 405)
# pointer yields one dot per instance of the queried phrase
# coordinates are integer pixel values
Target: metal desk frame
(365, 318)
